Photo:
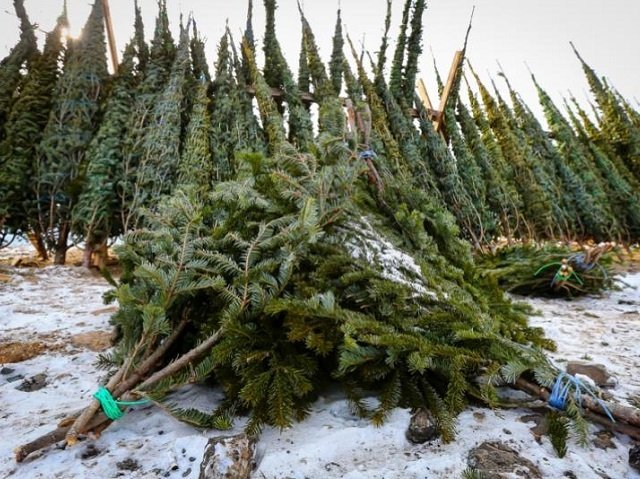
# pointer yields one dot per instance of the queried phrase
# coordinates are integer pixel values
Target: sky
(519, 35)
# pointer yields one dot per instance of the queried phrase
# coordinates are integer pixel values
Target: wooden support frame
(437, 116)
(111, 37)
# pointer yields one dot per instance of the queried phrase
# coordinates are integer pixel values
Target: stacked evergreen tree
(23, 129)
(61, 166)
(97, 216)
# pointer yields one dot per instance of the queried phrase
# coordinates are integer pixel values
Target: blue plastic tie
(562, 388)
(367, 155)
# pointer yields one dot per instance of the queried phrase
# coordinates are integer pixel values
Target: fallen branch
(627, 418)
(122, 391)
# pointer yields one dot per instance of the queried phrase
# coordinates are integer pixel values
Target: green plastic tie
(111, 407)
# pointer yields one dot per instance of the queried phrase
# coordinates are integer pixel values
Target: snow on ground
(53, 304)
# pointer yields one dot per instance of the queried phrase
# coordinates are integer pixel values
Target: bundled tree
(61, 166)
(597, 218)
(131, 190)
(24, 129)
(414, 50)
(624, 198)
(397, 67)
(21, 57)
(278, 75)
(336, 64)
(537, 205)
(513, 219)
(560, 181)
(195, 171)
(96, 217)
(162, 142)
(616, 126)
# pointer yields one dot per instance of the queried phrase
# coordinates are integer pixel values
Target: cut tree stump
(228, 457)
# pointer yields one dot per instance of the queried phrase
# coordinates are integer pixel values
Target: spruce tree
(598, 220)
(195, 170)
(570, 185)
(162, 140)
(277, 74)
(154, 78)
(382, 53)
(414, 50)
(24, 129)
(397, 67)
(200, 66)
(616, 126)
(542, 170)
(97, 216)
(61, 166)
(20, 57)
(331, 119)
(498, 199)
(336, 63)
(304, 75)
(623, 198)
(537, 206)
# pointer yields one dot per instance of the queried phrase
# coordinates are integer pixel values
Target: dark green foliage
(512, 218)
(199, 65)
(11, 67)
(277, 74)
(331, 116)
(304, 75)
(537, 205)
(161, 54)
(97, 216)
(382, 53)
(414, 50)
(497, 194)
(558, 427)
(142, 49)
(195, 170)
(397, 67)
(597, 218)
(472, 179)
(623, 197)
(24, 129)
(336, 64)
(617, 127)
(162, 143)
(61, 167)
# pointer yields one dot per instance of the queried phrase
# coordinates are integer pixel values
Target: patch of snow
(331, 443)
(396, 265)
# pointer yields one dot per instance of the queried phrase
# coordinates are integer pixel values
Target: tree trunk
(60, 256)
(36, 241)
(86, 256)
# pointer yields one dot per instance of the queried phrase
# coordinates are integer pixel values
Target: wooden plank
(111, 37)
(446, 93)
(423, 94)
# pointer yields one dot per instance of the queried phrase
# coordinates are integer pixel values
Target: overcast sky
(511, 32)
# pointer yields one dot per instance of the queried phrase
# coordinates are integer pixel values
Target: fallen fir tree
(290, 277)
(551, 270)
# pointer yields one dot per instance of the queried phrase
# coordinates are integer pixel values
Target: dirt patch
(16, 352)
(95, 340)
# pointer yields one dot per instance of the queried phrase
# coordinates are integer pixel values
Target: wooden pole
(446, 93)
(113, 49)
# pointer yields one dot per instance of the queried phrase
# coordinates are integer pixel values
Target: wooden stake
(448, 88)
(113, 49)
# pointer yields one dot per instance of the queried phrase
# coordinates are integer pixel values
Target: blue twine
(579, 262)
(368, 155)
(562, 388)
